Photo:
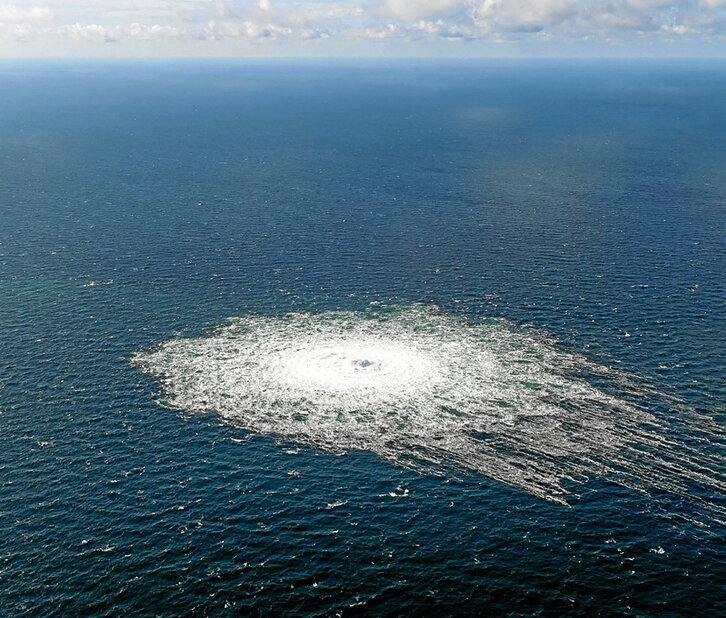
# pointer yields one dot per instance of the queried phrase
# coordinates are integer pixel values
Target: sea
(405, 337)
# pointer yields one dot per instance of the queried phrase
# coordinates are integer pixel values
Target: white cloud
(98, 32)
(386, 32)
(341, 22)
(154, 31)
(85, 32)
(15, 14)
(569, 15)
(409, 10)
(243, 29)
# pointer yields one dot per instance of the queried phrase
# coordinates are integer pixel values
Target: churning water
(420, 387)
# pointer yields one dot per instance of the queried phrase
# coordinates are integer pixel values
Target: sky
(335, 28)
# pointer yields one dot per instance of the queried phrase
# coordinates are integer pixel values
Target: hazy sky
(363, 28)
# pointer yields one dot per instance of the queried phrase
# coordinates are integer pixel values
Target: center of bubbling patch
(354, 365)
(431, 390)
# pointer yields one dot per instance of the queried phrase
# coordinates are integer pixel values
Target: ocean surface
(362, 338)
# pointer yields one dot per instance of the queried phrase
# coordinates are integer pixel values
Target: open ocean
(362, 338)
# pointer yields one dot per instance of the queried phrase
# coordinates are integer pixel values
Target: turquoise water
(362, 338)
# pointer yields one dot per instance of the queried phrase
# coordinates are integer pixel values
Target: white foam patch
(430, 390)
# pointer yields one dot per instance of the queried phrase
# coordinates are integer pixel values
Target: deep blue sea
(362, 338)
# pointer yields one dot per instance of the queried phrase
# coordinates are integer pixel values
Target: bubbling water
(432, 391)
(354, 366)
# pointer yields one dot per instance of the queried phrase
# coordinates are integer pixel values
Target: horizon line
(343, 58)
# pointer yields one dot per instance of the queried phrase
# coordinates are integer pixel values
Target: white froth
(361, 367)
(425, 389)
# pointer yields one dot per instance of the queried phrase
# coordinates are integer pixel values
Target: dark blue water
(142, 201)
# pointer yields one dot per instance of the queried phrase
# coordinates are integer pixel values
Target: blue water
(147, 201)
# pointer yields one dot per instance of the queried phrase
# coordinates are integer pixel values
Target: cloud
(410, 10)
(343, 22)
(21, 23)
(15, 14)
(98, 32)
(243, 29)
(572, 16)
